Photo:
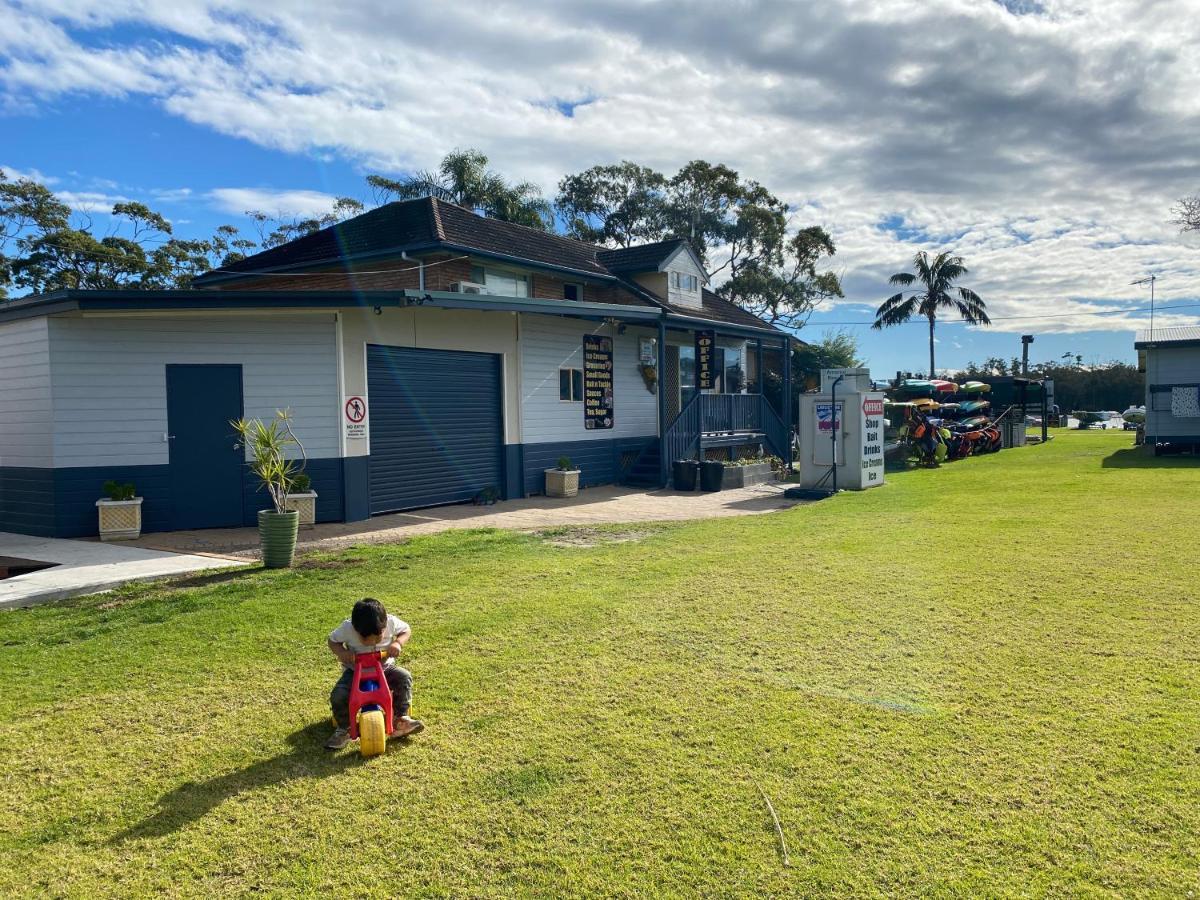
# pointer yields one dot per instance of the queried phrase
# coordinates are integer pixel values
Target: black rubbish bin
(684, 473)
(712, 473)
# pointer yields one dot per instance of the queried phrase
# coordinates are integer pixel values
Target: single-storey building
(1170, 359)
(426, 354)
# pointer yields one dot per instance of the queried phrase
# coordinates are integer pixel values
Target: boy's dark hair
(368, 617)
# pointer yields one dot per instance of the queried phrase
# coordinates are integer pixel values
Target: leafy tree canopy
(739, 229)
(464, 178)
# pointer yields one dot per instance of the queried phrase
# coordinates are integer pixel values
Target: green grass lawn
(976, 680)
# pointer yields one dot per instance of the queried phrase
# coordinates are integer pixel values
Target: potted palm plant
(120, 512)
(303, 499)
(562, 481)
(268, 445)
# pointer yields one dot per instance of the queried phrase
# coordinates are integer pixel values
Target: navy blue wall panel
(76, 490)
(356, 488)
(327, 481)
(598, 461)
(513, 472)
(27, 500)
(62, 502)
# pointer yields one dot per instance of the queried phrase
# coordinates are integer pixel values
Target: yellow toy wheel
(372, 734)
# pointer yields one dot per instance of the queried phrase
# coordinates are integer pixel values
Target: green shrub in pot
(268, 445)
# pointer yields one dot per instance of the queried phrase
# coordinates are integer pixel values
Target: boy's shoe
(338, 739)
(406, 725)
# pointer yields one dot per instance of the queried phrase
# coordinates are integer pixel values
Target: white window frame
(478, 269)
(572, 398)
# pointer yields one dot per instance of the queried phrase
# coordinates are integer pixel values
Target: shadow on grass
(216, 577)
(1144, 458)
(306, 758)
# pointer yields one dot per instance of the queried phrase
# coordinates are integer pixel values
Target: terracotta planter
(560, 483)
(277, 534)
(306, 505)
(120, 520)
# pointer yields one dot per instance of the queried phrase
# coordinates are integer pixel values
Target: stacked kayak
(955, 425)
(974, 406)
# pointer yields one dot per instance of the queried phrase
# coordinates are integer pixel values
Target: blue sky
(1044, 143)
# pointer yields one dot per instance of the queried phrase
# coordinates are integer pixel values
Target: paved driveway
(87, 567)
(600, 505)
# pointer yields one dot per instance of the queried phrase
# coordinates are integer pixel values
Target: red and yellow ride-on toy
(370, 704)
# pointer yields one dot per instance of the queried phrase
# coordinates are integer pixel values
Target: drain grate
(12, 566)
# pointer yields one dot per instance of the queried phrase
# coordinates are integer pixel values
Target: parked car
(1110, 420)
(1134, 417)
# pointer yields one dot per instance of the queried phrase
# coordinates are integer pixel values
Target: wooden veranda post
(786, 356)
(663, 462)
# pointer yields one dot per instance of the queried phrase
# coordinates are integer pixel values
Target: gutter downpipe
(420, 268)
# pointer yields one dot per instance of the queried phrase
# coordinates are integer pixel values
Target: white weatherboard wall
(1170, 365)
(550, 343)
(110, 391)
(26, 413)
(681, 261)
(430, 329)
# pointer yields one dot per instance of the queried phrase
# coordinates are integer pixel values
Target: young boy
(370, 628)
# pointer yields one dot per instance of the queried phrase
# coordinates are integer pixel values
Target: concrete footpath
(609, 505)
(88, 567)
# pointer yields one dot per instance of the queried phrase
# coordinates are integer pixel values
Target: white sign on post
(872, 438)
(354, 418)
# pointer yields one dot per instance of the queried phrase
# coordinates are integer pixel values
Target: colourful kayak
(974, 422)
(916, 386)
(925, 404)
(945, 387)
(975, 387)
(949, 407)
(972, 406)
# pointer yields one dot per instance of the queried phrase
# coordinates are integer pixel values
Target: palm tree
(937, 277)
(464, 178)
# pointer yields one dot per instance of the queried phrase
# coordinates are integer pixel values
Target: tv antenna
(1149, 279)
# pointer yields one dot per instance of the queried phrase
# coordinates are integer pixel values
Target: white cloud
(14, 174)
(281, 204)
(1044, 141)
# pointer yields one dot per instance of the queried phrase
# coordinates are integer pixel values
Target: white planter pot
(306, 505)
(561, 483)
(120, 520)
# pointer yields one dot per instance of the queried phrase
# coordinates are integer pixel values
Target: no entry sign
(354, 418)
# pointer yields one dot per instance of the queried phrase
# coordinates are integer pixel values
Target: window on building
(687, 374)
(572, 291)
(733, 372)
(570, 385)
(1160, 401)
(500, 282)
(683, 282)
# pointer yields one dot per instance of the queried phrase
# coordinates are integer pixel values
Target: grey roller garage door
(436, 426)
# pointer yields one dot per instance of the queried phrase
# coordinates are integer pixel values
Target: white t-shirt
(345, 634)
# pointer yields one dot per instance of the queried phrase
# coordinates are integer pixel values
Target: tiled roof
(1185, 334)
(424, 222)
(393, 226)
(466, 229)
(427, 223)
(642, 258)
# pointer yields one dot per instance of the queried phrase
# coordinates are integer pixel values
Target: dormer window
(684, 282)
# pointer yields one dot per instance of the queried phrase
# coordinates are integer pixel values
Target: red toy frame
(367, 667)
